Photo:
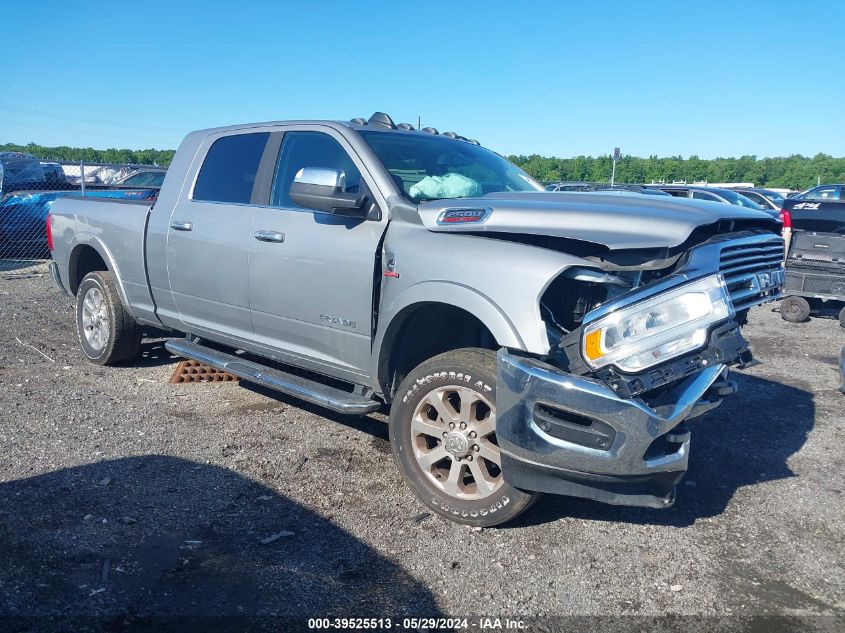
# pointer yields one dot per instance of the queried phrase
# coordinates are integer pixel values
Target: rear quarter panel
(116, 230)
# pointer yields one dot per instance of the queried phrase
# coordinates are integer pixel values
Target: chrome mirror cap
(321, 176)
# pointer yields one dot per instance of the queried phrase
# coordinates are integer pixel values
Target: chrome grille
(753, 271)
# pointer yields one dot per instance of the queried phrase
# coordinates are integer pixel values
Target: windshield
(739, 200)
(145, 178)
(774, 196)
(434, 167)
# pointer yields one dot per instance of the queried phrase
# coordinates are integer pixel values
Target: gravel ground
(123, 496)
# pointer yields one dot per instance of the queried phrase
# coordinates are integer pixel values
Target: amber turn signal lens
(592, 345)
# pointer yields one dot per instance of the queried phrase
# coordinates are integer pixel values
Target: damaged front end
(639, 352)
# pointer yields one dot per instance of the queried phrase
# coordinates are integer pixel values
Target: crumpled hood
(616, 220)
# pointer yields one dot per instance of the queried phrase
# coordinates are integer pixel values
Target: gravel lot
(123, 496)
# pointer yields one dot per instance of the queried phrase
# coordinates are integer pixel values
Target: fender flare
(92, 241)
(395, 313)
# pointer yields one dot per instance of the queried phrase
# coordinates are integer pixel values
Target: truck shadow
(746, 441)
(374, 424)
(158, 541)
(153, 354)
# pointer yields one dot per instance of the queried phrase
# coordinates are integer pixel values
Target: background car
(713, 194)
(586, 186)
(650, 191)
(575, 185)
(18, 170)
(53, 172)
(143, 178)
(764, 197)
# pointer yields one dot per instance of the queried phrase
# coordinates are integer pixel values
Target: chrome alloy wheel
(95, 319)
(453, 434)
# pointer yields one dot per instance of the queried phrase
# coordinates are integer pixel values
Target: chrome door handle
(270, 236)
(180, 225)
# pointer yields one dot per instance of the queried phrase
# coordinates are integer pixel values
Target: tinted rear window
(228, 173)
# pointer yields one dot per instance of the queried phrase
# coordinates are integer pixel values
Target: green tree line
(794, 172)
(161, 157)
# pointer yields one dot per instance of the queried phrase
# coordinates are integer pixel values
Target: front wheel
(443, 436)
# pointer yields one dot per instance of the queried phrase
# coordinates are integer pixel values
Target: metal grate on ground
(193, 371)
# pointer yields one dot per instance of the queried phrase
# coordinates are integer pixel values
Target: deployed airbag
(449, 186)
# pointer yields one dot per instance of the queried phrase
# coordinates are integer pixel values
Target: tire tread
(470, 358)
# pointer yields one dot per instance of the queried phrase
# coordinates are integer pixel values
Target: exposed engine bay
(624, 276)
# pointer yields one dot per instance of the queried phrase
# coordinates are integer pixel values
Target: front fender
(460, 296)
(394, 313)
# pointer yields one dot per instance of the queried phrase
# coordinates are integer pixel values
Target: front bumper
(572, 435)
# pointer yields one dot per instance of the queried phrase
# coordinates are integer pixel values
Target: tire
(842, 317)
(425, 419)
(107, 333)
(794, 309)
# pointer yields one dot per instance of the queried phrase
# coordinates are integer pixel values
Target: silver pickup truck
(525, 341)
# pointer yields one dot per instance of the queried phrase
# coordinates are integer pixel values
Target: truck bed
(116, 230)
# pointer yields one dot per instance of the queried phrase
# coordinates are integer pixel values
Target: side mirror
(323, 189)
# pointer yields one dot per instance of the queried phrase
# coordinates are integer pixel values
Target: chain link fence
(30, 186)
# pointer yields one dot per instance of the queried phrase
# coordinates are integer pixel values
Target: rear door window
(228, 172)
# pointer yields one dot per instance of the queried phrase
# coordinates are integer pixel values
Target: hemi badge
(464, 216)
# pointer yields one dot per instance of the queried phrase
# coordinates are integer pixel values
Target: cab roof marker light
(382, 119)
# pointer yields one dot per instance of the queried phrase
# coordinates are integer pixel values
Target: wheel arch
(89, 255)
(454, 316)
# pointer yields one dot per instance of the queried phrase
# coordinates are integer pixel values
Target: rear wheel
(794, 309)
(443, 435)
(107, 333)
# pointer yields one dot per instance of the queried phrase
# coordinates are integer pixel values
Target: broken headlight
(657, 329)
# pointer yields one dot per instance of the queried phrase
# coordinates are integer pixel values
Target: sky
(555, 78)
